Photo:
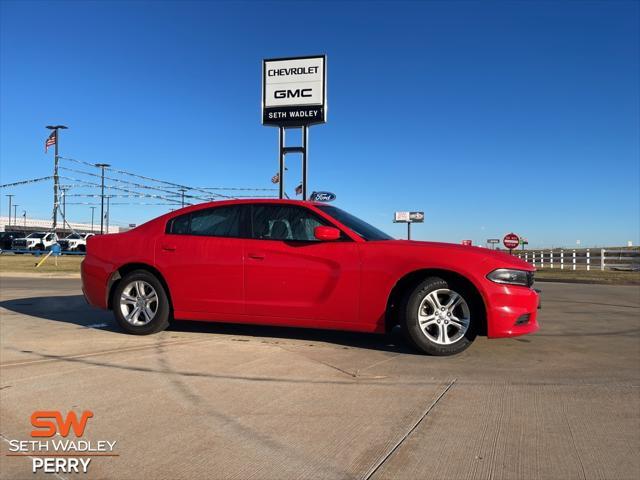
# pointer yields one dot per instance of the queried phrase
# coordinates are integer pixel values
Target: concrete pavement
(225, 401)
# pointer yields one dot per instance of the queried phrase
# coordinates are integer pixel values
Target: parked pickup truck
(6, 238)
(76, 242)
(35, 241)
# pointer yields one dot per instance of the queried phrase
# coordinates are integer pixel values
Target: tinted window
(278, 222)
(362, 228)
(216, 222)
(213, 222)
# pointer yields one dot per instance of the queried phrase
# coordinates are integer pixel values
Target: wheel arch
(411, 279)
(124, 270)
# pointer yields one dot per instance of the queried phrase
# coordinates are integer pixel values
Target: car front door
(201, 257)
(289, 274)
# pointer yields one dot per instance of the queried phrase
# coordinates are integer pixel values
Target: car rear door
(201, 258)
(291, 275)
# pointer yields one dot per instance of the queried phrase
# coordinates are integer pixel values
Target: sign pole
(281, 171)
(305, 158)
(408, 230)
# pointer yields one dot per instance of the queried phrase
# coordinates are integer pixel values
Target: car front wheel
(439, 318)
(140, 304)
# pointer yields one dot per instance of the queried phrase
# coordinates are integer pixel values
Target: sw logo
(46, 427)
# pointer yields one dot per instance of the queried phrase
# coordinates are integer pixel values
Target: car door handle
(169, 248)
(257, 256)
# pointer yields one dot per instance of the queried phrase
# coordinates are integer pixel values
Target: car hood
(504, 259)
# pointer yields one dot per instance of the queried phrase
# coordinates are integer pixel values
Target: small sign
(493, 240)
(408, 217)
(322, 197)
(511, 241)
(468, 243)
(294, 91)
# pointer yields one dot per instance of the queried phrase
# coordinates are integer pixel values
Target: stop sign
(511, 240)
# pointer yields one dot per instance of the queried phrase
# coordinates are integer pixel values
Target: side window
(284, 222)
(179, 225)
(216, 222)
(212, 222)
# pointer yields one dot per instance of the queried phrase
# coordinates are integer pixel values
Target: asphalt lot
(220, 401)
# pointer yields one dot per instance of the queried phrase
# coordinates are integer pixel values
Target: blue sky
(489, 116)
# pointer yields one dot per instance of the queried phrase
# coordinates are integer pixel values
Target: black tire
(421, 338)
(159, 321)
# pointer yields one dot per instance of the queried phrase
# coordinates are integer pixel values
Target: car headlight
(511, 277)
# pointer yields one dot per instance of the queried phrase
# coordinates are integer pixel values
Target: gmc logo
(304, 92)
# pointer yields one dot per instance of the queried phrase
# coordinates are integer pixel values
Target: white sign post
(294, 95)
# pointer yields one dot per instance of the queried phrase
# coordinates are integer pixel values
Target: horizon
(490, 117)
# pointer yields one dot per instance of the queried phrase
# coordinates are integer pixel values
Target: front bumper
(512, 311)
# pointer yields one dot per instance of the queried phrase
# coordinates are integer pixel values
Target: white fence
(584, 259)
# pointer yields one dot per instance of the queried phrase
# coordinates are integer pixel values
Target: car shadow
(73, 309)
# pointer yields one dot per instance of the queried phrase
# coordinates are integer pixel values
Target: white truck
(76, 242)
(35, 241)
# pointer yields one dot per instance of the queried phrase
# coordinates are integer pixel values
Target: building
(35, 225)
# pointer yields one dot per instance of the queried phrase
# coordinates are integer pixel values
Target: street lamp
(92, 211)
(102, 166)
(24, 216)
(11, 195)
(56, 178)
(15, 212)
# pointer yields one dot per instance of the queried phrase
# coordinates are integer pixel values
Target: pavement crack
(397, 445)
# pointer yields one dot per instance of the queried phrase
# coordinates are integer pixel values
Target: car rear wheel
(438, 318)
(140, 304)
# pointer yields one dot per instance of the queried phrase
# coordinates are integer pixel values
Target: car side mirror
(326, 234)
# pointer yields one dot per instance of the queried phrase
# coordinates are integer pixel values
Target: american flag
(51, 140)
(299, 190)
(275, 178)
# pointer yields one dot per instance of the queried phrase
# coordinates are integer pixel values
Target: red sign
(511, 241)
(468, 243)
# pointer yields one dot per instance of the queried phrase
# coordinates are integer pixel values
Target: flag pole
(56, 178)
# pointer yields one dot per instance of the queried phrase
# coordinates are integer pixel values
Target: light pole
(102, 166)
(56, 179)
(24, 216)
(64, 189)
(15, 212)
(10, 197)
(108, 204)
(93, 209)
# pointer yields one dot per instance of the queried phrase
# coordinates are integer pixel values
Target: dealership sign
(408, 217)
(294, 91)
(322, 197)
(511, 241)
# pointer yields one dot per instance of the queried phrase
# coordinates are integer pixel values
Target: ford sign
(322, 197)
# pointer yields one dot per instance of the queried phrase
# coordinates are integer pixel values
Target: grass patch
(610, 277)
(27, 263)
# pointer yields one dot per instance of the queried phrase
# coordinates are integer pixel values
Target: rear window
(211, 222)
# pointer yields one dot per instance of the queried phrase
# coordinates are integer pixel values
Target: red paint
(334, 284)
(511, 241)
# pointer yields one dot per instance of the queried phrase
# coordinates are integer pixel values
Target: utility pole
(108, 198)
(102, 166)
(182, 190)
(10, 197)
(64, 189)
(92, 211)
(56, 178)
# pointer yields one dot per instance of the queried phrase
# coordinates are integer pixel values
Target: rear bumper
(512, 311)
(94, 276)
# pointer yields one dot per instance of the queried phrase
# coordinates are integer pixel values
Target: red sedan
(305, 264)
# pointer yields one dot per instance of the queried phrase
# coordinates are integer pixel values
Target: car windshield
(362, 228)
(36, 235)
